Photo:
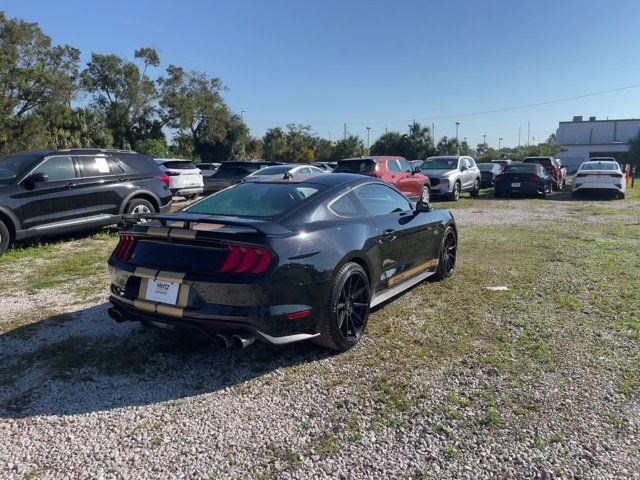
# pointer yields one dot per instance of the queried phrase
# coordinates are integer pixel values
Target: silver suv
(451, 175)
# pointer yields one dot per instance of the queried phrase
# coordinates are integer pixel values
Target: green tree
(448, 146)
(634, 151)
(323, 150)
(350, 146)
(36, 79)
(124, 95)
(274, 146)
(154, 147)
(390, 143)
(415, 145)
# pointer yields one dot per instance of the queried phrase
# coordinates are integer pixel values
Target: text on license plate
(515, 184)
(161, 291)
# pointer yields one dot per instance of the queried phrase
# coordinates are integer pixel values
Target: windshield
(355, 166)
(256, 199)
(275, 170)
(486, 166)
(439, 163)
(599, 166)
(12, 166)
(522, 168)
(542, 161)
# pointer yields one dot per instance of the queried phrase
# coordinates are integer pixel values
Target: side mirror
(423, 207)
(36, 178)
(416, 170)
(463, 168)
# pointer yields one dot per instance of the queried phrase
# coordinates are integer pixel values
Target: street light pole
(457, 125)
(484, 139)
(499, 143)
(368, 130)
(242, 115)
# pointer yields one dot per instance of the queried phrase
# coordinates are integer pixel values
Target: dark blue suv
(58, 191)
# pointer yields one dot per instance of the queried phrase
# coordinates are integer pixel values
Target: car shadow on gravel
(85, 362)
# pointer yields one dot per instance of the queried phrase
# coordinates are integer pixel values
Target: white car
(185, 179)
(604, 175)
(290, 168)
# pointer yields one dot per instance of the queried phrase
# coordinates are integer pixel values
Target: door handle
(71, 185)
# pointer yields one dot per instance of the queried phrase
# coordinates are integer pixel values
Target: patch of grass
(492, 417)
(451, 452)
(327, 444)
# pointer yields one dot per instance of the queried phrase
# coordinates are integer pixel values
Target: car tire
(476, 189)
(447, 255)
(455, 193)
(350, 284)
(621, 196)
(5, 238)
(139, 206)
(425, 195)
(497, 194)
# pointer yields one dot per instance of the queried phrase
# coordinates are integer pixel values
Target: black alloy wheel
(347, 314)
(5, 238)
(448, 254)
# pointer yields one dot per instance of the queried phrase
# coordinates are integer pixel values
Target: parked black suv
(54, 191)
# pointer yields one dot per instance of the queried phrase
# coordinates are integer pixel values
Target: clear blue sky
(376, 62)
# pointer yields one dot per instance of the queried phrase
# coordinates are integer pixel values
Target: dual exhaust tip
(238, 340)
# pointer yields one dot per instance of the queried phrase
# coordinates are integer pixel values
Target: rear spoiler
(188, 220)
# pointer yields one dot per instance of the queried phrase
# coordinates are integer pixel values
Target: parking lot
(457, 379)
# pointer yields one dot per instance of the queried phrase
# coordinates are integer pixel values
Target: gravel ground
(83, 397)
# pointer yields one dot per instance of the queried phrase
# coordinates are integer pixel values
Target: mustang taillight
(244, 259)
(534, 177)
(499, 178)
(125, 248)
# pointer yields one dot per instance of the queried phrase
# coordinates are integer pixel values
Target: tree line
(49, 100)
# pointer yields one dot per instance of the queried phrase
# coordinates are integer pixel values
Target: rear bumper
(187, 191)
(208, 325)
(601, 186)
(212, 308)
(524, 189)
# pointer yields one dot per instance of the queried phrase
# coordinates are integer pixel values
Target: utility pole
(433, 132)
(368, 130)
(484, 139)
(457, 125)
(499, 143)
(329, 132)
(528, 131)
(385, 129)
(519, 131)
(344, 133)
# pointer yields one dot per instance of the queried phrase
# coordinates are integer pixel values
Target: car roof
(329, 179)
(72, 150)
(375, 158)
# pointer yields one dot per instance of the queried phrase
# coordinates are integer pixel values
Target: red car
(554, 167)
(394, 170)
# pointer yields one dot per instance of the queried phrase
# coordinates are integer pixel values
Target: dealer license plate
(515, 185)
(161, 291)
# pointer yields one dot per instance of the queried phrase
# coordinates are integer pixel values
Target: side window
(472, 162)
(98, 166)
(404, 165)
(392, 166)
(346, 206)
(57, 168)
(304, 170)
(382, 200)
(465, 163)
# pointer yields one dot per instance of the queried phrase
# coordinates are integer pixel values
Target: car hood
(437, 173)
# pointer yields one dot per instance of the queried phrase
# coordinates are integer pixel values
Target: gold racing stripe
(146, 306)
(145, 272)
(401, 277)
(169, 310)
(183, 295)
(182, 234)
(175, 277)
(158, 232)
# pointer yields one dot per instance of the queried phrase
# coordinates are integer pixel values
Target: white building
(594, 138)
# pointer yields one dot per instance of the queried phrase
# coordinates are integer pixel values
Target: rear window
(486, 166)
(599, 166)
(541, 161)
(523, 168)
(256, 199)
(179, 165)
(355, 166)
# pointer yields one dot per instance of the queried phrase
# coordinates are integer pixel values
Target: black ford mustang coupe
(280, 259)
